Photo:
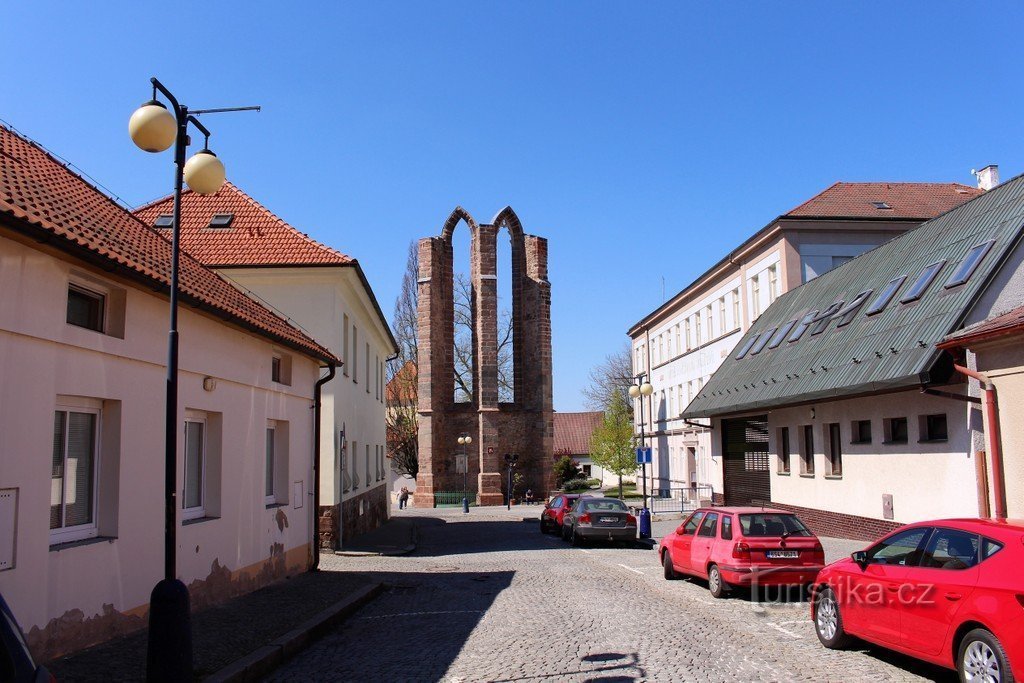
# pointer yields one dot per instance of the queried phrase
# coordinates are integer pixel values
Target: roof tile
(907, 200)
(573, 432)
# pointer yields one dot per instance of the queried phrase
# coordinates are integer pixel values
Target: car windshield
(772, 524)
(608, 504)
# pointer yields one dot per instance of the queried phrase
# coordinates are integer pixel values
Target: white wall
(42, 357)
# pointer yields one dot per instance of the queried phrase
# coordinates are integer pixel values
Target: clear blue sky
(643, 139)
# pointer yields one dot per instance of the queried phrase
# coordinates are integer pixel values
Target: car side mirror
(860, 557)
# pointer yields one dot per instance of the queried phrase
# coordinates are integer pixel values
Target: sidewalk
(397, 536)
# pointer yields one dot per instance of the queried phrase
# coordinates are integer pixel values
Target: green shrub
(566, 469)
(593, 483)
(576, 485)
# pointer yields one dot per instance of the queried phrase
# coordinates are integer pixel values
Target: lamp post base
(169, 650)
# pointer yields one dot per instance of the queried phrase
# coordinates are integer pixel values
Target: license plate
(783, 554)
(608, 520)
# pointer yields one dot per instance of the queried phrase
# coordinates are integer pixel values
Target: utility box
(887, 506)
(8, 527)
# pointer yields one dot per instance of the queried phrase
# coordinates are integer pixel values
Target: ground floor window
(783, 450)
(807, 451)
(934, 428)
(73, 474)
(835, 451)
(270, 495)
(193, 503)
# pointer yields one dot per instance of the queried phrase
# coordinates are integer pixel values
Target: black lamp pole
(511, 459)
(169, 651)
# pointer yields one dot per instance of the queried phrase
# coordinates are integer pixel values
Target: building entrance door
(745, 461)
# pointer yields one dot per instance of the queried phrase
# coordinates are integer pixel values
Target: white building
(839, 404)
(83, 352)
(325, 293)
(681, 344)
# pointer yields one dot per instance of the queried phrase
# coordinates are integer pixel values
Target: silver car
(598, 519)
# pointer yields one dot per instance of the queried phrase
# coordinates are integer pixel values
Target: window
(807, 451)
(848, 312)
(344, 349)
(73, 474)
(970, 263)
(895, 430)
(762, 341)
(281, 368)
(221, 220)
(951, 549)
(781, 334)
(85, 308)
(679, 346)
(696, 326)
(860, 430)
(367, 363)
(661, 347)
(755, 296)
(880, 205)
(195, 469)
(768, 524)
(934, 427)
(773, 284)
(708, 317)
(727, 527)
(355, 355)
(689, 335)
(924, 280)
(736, 320)
(825, 318)
(802, 327)
(710, 525)
(268, 487)
(747, 346)
(164, 220)
(899, 549)
(835, 451)
(275, 369)
(722, 326)
(668, 343)
(886, 295)
(355, 463)
(672, 402)
(376, 377)
(782, 437)
(690, 527)
(367, 470)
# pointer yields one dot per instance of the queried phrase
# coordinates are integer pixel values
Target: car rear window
(609, 504)
(772, 524)
(989, 548)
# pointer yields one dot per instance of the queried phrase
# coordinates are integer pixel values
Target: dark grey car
(598, 519)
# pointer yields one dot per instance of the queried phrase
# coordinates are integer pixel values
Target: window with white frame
(355, 463)
(679, 344)
(709, 314)
(671, 402)
(668, 343)
(661, 347)
(696, 329)
(367, 367)
(269, 486)
(367, 464)
(74, 472)
(722, 325)
(689, 334)
(86, 308)
(755, 296)
(355, 355)
(737, 321)
(773, 283)
(344, 345)
(193, 502)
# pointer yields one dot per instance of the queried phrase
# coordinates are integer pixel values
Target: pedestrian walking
(403, 497)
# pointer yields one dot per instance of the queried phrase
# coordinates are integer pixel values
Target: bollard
(645, 523)
(465, 504)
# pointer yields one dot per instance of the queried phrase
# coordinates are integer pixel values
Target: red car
(950, 592)
(742, 546)
(554, 512)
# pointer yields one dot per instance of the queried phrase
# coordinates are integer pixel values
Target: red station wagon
(742, 546)
(950, 592)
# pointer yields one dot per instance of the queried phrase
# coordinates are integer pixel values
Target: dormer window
(221, 220)
(164, 220)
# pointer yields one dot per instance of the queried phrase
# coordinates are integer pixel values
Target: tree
(612, 445)
(566, 469)
(401, 423)
(610, 378)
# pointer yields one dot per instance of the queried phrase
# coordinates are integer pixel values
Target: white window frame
(199, 511)
(96, 291)
(91, 530)
(773, 284)
(737, 321)
(270, 457)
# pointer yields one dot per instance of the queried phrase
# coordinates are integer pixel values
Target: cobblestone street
(487, 597)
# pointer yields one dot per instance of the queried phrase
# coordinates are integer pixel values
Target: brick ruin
(523, 427)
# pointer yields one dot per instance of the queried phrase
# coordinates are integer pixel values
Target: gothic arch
(508, 218)
(457, 214)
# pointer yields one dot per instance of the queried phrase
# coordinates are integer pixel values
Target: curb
(259, 663)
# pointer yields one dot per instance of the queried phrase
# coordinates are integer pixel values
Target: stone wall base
(363, 513)
(838, 525)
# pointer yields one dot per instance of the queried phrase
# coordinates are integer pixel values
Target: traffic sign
(643, 456)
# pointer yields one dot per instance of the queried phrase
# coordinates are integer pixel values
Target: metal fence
(445, 499)
(685, 499)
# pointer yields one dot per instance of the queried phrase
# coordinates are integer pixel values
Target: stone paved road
(486, 597)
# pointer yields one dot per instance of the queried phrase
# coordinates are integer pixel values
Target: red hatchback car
(742, 546)
(950, 592)
(554, 512)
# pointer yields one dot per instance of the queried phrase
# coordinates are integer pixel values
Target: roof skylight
(886, 295)
(762, 341)
(924, 280)
(221, 220)
(880, 205)
(746, 347)
(970, 263)
(781, 334)
(164, 220)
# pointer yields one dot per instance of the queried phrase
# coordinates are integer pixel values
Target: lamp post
(638, 390)
(464, 440)
(154, 129)
(511, 459)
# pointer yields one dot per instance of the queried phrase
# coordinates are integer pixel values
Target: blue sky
(643, 140)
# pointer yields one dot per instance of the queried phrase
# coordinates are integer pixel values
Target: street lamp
(464, 440)
(638, 390)
(511, 459)
(154, 129)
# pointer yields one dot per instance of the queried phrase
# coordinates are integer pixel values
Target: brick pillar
(540, 351)
(485, 357)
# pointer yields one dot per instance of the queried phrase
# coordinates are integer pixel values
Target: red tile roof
(908, 200)
(255, 237)
(573, 432)
(401, 388)
(42, 196)
(1010, 323)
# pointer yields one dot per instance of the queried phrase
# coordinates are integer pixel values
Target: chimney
(988, 177)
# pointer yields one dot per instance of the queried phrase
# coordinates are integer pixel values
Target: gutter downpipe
(992, 433)
(317, 404)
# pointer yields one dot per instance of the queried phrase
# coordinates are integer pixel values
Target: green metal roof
(889, 350)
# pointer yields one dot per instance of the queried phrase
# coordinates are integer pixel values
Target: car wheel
(670, 571)
(828, 621)
(981, 658)
(716, 584)
(565, 532)
(577, 540)
(543, 525)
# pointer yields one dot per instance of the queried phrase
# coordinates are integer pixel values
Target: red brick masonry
(837, 525)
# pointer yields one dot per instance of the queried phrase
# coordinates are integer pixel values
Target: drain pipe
(317, 404)
(988, 402)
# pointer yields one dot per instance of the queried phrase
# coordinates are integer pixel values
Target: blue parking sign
(643, 455)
